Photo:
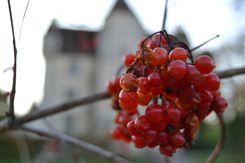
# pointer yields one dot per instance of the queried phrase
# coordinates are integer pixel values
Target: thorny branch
(78, 142)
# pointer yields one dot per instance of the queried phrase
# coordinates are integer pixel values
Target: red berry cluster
(177, 91)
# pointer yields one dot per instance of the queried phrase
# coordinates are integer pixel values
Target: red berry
(128, 59)
(219, 104)
(156, 91)
(177, 69)
(159, 57)
(217, 93)
(187, 92)
(144, 99)
(143, 85)
(132, 129)
(117, 133)
(128, 101)
(177, 139)
(122, 118)
(159, 38)
(167, 150)
(154, 80)
(206, 97)
(126, 138)
(139, 44)
(158, 127)
(153, 44)
(178, 53)
(153, 144)
(193, 75)
(148, 70)
(203, 111)
(211, 82)
(163, 138)
(139, 142)
(173, 115)
(154, 113)
(204, 64)
(147, 54)
(113, 86)
(142, 123)
(128, 81)
(149, 136)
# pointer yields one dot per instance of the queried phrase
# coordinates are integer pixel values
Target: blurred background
(70, 49)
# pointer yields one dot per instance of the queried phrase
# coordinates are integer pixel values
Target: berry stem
(143, 44)
(166, 36)
(190, 55)
(204, 43)
(165, 15)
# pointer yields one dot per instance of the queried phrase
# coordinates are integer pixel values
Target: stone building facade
(77, 66)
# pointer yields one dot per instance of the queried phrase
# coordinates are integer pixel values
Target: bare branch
(78, 142)
(53, 110)
(231, 72)
(220, 144)
(12, 94)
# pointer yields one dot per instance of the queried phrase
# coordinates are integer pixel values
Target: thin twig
(80, 143)
(231, 72)
(23, 18)
(195, 48)
(54, 110)
(220, 144)
(12, 94)
(165, 15)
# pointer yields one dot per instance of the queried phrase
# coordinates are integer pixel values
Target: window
(78, 41)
